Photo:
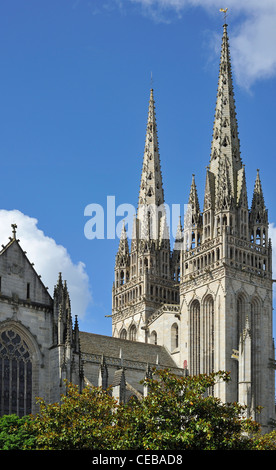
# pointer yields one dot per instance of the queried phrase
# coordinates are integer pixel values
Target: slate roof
(109, 346)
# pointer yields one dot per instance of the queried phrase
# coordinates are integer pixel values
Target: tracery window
(256, 350)
(195, 337)
(15, 375)
(123, 334)
(208, 335)
(132, 333)
(202, 336)
(153, 337)
(174, 336)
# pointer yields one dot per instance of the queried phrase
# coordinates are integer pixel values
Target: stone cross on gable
(14, 227)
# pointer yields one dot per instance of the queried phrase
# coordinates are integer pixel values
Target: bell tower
(145, 274)
(226, 275)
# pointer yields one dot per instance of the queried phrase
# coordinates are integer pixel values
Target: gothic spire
(193, 201)
(179, 231)
(258, 191)
(225, 148)
(178, 242)
(123, 245)
(151, 187)
(151, 194)
(122, 256)
(258, 212)
(192, 216)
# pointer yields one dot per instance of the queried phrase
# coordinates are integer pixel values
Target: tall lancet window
(241, 317)
(256, 350)
(15, 375)
(195, 337)
(132, 333)
(241, 323)
(208, 335)
(174, 337)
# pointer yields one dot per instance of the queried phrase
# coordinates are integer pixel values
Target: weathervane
(224, 10)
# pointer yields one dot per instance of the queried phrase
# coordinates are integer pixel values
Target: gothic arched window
(132, 333)
(256, 308)
(153, 337)
(15, 375)
(258, 236)
(195, 337)
(174, 336)
(123, 334)
(240, 317)
(208, 335)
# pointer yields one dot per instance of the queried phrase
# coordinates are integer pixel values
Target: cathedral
(199, 306)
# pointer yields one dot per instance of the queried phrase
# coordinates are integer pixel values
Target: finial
(123, 231)
(14, 227)
(59, 278)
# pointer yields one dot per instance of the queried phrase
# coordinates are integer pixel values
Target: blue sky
(75, 83)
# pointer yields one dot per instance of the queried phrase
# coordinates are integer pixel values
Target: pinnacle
(193, 198)
(123, 232)
(258, 209)
(123, 244)
(179, 231)
(258, 186)
(258, 191)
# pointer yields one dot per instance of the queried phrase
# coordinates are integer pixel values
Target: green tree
(177, 413)
(266, 441)
(15, 433)
(80, 421)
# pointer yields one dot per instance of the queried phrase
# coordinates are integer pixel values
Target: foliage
(81, 421)
(178, 413)
(15, 433)
(266, 441)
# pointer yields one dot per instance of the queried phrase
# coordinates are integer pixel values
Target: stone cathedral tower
(226, 270)
(145, 272)
(209, 300)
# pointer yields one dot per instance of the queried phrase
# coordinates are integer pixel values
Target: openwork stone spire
(147, 275)
(225, 149)
(151, 187)
(151, 195)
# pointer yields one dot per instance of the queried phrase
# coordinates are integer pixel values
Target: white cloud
(48, 257)
(253, 38)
